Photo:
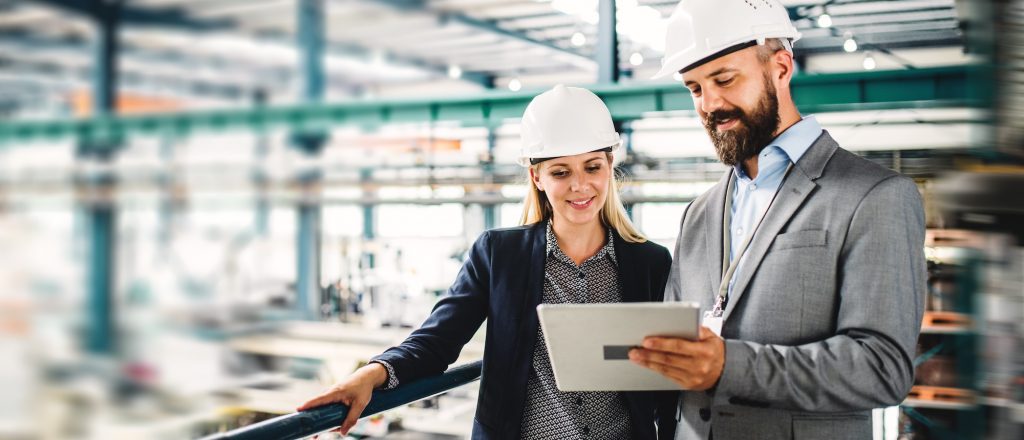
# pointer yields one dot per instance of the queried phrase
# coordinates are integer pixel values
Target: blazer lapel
(713, 215)
(632, 287)
(797, 187)
(535, 279)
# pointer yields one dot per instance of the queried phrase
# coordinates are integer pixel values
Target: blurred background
(211, 210)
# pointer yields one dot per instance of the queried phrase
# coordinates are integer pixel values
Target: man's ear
(782, 67)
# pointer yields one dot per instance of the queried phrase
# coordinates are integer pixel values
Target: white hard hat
(701, 30)
(566, 121)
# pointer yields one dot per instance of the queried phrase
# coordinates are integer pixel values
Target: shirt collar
(793, 142)
(607, 250)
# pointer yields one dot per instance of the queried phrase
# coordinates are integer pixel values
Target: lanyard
(730, 266)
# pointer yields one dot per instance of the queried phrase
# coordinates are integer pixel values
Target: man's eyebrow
(714, 74)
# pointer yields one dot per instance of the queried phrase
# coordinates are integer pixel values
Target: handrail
(306, 423)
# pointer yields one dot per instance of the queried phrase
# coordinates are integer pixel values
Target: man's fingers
(679, 376)
(672, 345)
(706, 333)
(684, 364)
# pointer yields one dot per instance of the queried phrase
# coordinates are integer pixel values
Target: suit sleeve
(673, 287)
(456, 317)
(869, 361)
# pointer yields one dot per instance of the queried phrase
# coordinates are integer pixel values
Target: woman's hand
(354, 391)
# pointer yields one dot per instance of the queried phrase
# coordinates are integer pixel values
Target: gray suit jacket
(823, 321)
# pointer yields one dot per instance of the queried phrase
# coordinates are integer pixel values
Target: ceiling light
(850, 45)
(869, 62)
(636, 59)
(824, 21)
(454, 72)
(515, 85)
(578, 39)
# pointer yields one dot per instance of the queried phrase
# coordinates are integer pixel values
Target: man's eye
(725, 82)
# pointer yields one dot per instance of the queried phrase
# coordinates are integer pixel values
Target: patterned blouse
(552, 414)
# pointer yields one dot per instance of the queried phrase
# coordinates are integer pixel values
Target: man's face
(737, 103)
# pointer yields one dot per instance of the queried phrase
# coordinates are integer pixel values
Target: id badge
(714, 323)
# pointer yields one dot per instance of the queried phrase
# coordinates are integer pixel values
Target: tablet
(589, 343)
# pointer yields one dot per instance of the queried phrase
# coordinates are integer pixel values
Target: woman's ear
(535, 178)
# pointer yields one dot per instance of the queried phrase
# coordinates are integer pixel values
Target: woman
(576, 245)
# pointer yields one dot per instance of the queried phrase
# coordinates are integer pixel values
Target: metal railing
(303, 424)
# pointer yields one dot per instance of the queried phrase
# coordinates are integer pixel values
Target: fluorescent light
(677, 76)
(578, 39)
(515, 85)
(636, 59)
(824, 21)
(869, 62)
(850, 45)
(454, 72)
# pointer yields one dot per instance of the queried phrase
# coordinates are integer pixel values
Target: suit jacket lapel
(713, 215)
(794, 190)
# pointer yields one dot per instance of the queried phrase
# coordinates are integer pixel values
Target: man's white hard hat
(701, 30)
(566, 121)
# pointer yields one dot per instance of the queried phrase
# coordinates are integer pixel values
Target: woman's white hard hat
(566, 121)
(701, 30)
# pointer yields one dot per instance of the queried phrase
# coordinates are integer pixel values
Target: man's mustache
(719, 116)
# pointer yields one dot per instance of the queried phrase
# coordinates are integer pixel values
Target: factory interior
(212, 210)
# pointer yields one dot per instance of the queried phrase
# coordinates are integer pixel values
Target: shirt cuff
(392, 380)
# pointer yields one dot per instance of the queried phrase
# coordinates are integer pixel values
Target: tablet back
(589, 343)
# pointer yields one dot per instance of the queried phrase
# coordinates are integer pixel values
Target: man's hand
(694, 365)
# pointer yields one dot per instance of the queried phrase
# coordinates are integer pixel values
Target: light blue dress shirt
(751, 197)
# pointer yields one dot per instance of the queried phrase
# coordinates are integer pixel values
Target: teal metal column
(259, 175)
(626, 167)
(490, 209)
(311, 44)
(607, 44)
(101, 213)
(369, 218)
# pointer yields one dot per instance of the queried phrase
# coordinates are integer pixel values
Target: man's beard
(752, 133)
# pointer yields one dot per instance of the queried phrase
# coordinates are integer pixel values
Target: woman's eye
(594, 169)
(559, 173)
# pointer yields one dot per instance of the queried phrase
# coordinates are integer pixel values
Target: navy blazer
(502, 282)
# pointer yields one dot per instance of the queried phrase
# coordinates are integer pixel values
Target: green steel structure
(916, 88)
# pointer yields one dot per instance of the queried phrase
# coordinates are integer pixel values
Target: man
(808, 258)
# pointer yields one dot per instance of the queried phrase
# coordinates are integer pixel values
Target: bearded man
(808, 259)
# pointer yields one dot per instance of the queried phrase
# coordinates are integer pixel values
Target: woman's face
(576, 186)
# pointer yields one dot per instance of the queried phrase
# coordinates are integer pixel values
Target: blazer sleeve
(456, 317)
(673, 286)
(868, 363)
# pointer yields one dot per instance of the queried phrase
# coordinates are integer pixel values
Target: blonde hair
(537, 208)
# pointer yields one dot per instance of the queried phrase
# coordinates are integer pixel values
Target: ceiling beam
(177, 18)
(489, 26)
(920, 88)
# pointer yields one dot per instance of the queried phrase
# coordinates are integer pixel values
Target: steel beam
(177, 18)
(311, 45)
(486, 26)
(102, 216)
(607, 44)
(920, 88)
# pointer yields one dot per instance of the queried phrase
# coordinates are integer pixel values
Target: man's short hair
(770, 46)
